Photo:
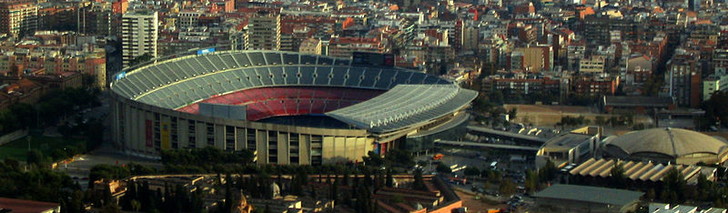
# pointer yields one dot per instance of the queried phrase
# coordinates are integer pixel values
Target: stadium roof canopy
(405, 105)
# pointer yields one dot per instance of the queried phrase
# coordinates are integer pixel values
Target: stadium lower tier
(288, 101)
(145, 130)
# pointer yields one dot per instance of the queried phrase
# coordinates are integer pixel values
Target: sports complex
(286, 107)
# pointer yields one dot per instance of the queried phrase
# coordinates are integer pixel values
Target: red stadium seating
(291, 107)
(317, 107)
(284, 101)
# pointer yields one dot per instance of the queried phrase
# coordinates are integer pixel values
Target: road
(489, 145)
(81, 165)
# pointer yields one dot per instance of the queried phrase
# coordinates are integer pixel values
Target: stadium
(286, 107)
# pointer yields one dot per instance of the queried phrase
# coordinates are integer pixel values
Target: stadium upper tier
(240, 77)
(182, 81)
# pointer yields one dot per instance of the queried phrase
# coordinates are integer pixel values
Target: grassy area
(18, 149)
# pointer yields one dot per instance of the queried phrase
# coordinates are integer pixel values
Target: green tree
(494, 176)
(532, 181)
(298, 182)
(619, 180)
(507, 188)
(37, 159)
(399, 157)
(419, 182)
(674, 187)
(599, 120)
(481, 104)
(111, 208)
(513, 113)
(136, 205)
(547, 172)
(442, 168)
(105, 171)
(140, 59)
(650, 195)
(704, 188)
(471, 171)
(334, 187)
(373, 159)
(715, 110)
(652, 86)
(389, 179)
(496, 96)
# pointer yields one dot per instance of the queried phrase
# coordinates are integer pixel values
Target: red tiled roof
(287, 28)
(306, 19)
(26, 206)
(350, 40)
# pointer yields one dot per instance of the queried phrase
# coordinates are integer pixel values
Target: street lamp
(28, 139)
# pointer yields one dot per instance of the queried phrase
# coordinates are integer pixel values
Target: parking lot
(512, 166)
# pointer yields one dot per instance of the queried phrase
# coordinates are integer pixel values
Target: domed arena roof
(670, 144)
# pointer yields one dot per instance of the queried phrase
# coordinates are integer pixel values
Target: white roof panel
(405, 105)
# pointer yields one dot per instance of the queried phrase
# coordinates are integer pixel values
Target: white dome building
(673, 145)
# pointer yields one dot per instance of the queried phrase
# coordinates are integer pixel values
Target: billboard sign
(205, 51)
(120, 76)
(148, 133)
(165, 136)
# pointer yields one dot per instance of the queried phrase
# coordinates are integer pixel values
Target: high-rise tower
(139, 35)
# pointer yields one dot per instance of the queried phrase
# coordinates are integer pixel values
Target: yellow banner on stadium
(164, 133)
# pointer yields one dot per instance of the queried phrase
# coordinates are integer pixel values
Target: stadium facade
(236, 100)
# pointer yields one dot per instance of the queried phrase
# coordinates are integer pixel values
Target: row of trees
(51, 108)
(627, 119)
(177, 198)
(538, 180)
(42, 184)
(492, 175)
(715, 111)
(353, 187)
(394, 158)
(36, 181)
(598, 120)
(573, 121)
(91, 137)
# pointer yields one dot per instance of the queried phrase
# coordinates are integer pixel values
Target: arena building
(288, 108)
(663, 145)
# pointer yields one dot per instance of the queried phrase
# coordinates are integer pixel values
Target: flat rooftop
(589, 194)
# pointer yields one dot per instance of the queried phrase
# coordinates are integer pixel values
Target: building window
(192, 133)
(251, 139)
(316, 150)
(210, 134)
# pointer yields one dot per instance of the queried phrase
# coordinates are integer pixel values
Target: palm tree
(136, 205)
